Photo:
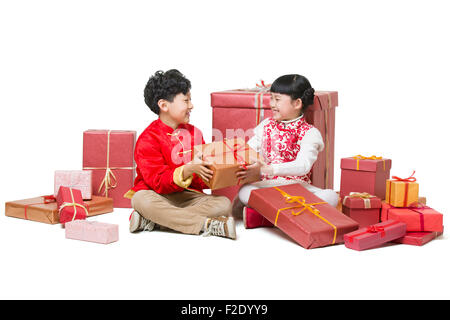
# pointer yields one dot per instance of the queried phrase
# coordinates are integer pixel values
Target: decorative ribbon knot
(361, 195)
(74, 205)
(375, 229)
(360, 157)
(49, 199)
(409, 179)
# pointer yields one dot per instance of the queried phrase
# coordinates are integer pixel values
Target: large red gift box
(362, 207)
(70, 205)
(375, 235)
(110, 156)
(417, 218)
(417, 238)
(237, 112)
(365, 174)
(300, 214)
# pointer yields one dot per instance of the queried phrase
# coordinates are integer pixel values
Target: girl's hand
(252, 173)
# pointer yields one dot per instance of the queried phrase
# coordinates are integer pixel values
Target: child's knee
(329, 196)
(220, 206)
(143, 200)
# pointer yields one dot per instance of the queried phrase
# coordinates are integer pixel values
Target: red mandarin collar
(167, 129)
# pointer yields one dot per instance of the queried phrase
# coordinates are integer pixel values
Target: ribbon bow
(49, 199)
(362, 195)
(261, 86)
(375, 229)
(409, 179)
(303, 206)
(360, 157)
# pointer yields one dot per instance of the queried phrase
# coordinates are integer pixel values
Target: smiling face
(178, 111)
(284, 108)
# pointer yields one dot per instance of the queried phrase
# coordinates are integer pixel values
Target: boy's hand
(198, 167)
(252, 173)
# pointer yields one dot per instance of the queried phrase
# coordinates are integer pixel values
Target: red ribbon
(406, 181)
(415, 209)
(47, 199)
(373, 229)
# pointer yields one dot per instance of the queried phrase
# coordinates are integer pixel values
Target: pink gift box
(76, 179)
(375, 235)
(360, 175)
(92, 231)
(110, 156)
(417, 238)
(365, 211)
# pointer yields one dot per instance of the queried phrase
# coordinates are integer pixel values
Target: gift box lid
(352, 163)
(356, 200)
(255, 98)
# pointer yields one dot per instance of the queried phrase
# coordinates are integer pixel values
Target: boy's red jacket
(160, 155)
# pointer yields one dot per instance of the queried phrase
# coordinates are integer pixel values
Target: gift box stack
(108, 173)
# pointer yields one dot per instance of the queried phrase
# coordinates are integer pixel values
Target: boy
(168, 188)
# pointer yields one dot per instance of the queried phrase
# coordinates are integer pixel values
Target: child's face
(180, 108)
(284, 108)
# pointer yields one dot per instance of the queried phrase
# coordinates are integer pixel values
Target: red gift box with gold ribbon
(240, 111)
(363, 207)
(375, 235)
(304, 217)
(110, 156)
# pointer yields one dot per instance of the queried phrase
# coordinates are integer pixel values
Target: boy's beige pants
(184, 211)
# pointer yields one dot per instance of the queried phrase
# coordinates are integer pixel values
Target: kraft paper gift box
(92, 231)
(110, 156)
(417, 238)
(304, 217)
(238, 112)
(363, 208)
(402, 192)
(417, 218)
(375, 235)
(41, 209)
(77, 179)
(70, 205)
(99, 205)
(365, 174)
(226, 157)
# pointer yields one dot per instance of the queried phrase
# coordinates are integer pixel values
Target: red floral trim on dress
(280, 144)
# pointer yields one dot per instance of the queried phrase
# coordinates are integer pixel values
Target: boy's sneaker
(252, 219)
(220, 226)
(139, 223)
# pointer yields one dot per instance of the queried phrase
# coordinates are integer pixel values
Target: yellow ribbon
(362, 195)
(74, 205)
(360, 157)
(305, 206)
(109, 177)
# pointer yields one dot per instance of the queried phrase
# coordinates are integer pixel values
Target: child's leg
(170, 210)
(244, 192)
(251, 217)
(327, 195)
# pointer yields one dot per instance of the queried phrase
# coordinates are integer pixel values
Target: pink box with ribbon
(92, 231)
(238, 112)
(70, 205)
(110, 156)
(375, 235)
(365, 174)
(417, 218)
(364, 208)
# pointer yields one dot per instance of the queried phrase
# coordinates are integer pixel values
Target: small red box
(237, 112)
(70, 204)
(364, 175)
(421, 218)
(363, 208)
(110, 156)
(417, 238)
(375, 235)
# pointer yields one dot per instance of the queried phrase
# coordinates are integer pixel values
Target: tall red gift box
(238, 112)
(110, 156)
(304, 217)
(363, 208)
(365, 174)
(70, 205)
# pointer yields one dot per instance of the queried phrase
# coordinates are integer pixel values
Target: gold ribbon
(303, 206)
(74, 205)
(360, 157)
(109, 177)
(362, 195)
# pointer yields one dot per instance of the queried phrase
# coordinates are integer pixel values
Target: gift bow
(304, 206)
(362, 195)
(360, 157)
(409, 179)
(373, 229)
(406, 181)
(47, 199)
(74, 205)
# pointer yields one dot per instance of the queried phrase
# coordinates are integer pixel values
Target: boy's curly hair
(165, 85)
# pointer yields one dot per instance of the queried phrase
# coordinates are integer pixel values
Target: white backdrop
(68, 66)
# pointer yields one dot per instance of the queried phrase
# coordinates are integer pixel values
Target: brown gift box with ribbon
(363, 207)
(304, 217)
(365, 174)
(45, 209)
(402, 192)
(226, 157)
(240, 111)
(110, 156)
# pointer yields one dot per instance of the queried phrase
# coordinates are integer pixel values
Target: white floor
(37, 262)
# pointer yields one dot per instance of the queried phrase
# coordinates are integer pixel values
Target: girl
(288, 145)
